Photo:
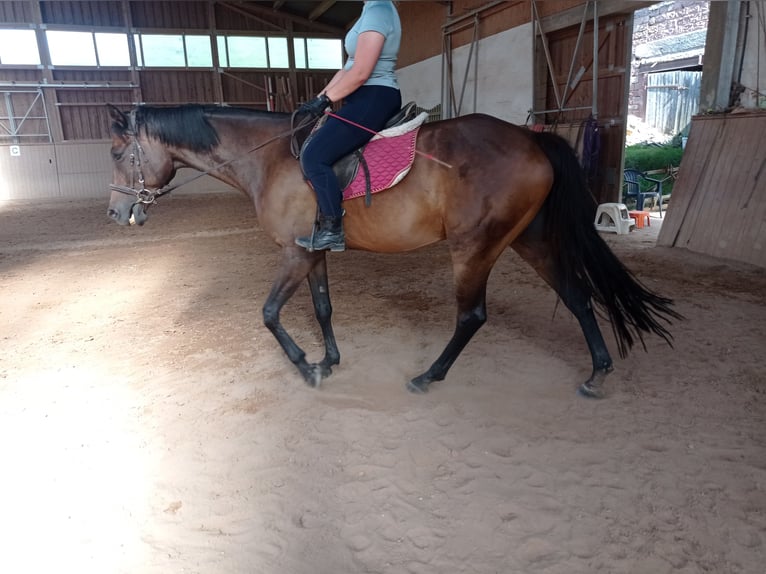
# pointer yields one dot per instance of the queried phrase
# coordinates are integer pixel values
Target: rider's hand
(316, 107)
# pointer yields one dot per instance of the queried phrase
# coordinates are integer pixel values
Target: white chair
(613, 217)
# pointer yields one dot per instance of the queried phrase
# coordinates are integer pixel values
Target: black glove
(316, 107)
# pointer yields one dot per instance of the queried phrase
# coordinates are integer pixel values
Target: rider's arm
(335, 79)
(368, 49)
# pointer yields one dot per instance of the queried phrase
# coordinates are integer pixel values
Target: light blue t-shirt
(380, 16)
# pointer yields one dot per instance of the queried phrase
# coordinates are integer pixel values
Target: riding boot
(329, 235)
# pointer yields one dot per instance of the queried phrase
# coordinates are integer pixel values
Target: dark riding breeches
(369, 106)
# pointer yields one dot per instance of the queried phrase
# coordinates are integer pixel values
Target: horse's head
(142, 165)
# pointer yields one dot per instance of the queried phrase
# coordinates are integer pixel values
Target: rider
(367, 84)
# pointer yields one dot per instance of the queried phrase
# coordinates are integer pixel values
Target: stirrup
(308, 244)
(334, 241)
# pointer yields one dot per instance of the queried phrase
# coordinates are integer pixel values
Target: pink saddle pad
(389, 159)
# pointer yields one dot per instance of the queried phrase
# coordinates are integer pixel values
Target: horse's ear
(119, 119)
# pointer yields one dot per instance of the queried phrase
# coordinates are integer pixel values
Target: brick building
(666, 67)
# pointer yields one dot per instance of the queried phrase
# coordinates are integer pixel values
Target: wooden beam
(255, 10)
(572, 16)
(248, 12)
(321, 9)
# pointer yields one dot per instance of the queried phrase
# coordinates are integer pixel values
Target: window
(19, 47)
(325, 53)
(161, 50)
(272, 52)
(278, 57)
(112, 49)
(253, 52)
(299, 47)
(198, 52)
(71, 48)
(173, 51)
(223, 56)
(318, 53)
(87, 48)
(247, 52)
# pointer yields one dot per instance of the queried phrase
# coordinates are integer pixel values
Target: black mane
(188, 126)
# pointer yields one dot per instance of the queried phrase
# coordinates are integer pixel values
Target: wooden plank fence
(719, 199)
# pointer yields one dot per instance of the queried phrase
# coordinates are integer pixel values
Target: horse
(494, 185)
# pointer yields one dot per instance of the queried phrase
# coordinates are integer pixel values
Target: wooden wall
(718, 206)
(73, 170)
(422, 22)
(612, 73)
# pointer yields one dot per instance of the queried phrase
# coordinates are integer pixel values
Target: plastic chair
(632, 181)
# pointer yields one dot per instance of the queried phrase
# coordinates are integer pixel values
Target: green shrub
(647, 157)
(650, 157)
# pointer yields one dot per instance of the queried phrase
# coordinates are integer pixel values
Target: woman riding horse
(508, 186)
(368, 85)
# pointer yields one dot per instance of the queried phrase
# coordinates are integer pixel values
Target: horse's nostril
(112, 213)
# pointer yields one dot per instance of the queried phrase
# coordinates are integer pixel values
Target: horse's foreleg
(536, 251)
(296, 265)
(472, 314)
(320, 294)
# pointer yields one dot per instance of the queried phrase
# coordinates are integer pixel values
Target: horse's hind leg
(471, 289)
(296, 265)
(535, 250)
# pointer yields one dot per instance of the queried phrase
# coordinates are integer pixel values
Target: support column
(720, 56)
(49, 94)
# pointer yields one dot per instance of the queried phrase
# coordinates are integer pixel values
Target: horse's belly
(390, 230)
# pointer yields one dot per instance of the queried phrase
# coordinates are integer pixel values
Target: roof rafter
(321, 9)
(256, 10)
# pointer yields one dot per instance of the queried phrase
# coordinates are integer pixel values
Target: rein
(145, 196)
(373, 132)
(148, 197)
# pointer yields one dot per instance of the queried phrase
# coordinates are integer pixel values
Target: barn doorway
(667, 50)
(668, 46)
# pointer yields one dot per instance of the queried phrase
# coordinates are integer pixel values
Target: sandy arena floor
(149, 423)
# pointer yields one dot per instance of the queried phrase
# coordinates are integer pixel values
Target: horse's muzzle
(135, 214)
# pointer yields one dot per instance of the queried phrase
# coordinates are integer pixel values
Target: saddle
(346, 169)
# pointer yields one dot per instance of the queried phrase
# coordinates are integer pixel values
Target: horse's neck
(238, 160)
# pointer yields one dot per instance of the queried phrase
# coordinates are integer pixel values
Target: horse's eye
(117, 155)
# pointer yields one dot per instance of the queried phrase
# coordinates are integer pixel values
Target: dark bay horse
(506, 186)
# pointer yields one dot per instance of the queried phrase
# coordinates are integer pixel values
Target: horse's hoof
(593, 388)
(313, 376)
(591, 392)
(417, 387)
(326, 370)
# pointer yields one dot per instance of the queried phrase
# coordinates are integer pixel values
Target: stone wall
(669, 19)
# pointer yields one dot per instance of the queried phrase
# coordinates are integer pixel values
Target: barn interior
(150, 423)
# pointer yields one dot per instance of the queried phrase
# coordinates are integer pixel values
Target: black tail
(583, 258)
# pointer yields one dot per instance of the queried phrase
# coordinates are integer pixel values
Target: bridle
(147, 197)
(143, 196)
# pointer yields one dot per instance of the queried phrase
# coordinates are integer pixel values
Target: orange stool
(640, 217)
